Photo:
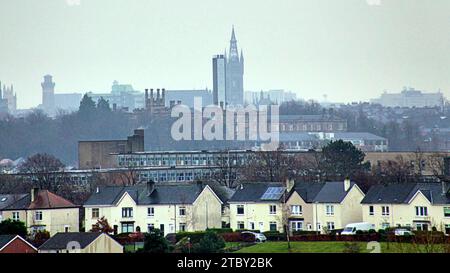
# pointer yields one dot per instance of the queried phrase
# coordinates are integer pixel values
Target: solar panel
(273, 193)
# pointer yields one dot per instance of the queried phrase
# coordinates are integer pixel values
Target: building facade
(43, 210)
(410, 97)
(169, 207)
(419, 206)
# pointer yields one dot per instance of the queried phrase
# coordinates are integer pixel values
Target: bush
(275, 236)
(194, 237)
(10, 227)
(220, 230)
(155, 242)
(211, 242)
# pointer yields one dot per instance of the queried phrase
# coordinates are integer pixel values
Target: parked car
(403, 232)
(257, 237)
(351, 229)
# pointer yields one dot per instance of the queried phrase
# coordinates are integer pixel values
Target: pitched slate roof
(402, 193)
(4, 239)
(8, 199)
(332, 192)
(185, 193)
(252, 192)
(44, 200)
(60, 240)
(322, 192)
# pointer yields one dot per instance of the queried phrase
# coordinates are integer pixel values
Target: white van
(351, 229)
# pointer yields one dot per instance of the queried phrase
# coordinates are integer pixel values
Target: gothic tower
(234, 74)
(48, 94)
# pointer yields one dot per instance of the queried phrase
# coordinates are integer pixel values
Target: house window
(422, 226)
(371, 210)
(240, 209)
(182, 227)
(127, 212)
(385, 211)
(329, 209)
(150, 211)
(15, 216)
(38, 216)
(272, 209)
(296, 210)
(447, 212)
(319, 226)
(330, 225)
(66, 228)
(251, 225)
(309, 227)
(240, 225)
(273, 226)
(95, 213)
(421, 211)
(182, 211)
(385, 225)
(447, 229)
(127, 227)
(150, 227)
(297, 225)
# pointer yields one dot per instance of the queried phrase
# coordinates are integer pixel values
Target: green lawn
(335, 247)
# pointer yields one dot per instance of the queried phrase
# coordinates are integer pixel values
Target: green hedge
(220, 230)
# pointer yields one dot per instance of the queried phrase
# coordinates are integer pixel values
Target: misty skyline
(347, 49)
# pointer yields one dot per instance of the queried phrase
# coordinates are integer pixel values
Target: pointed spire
(242, 55)
(233, 36)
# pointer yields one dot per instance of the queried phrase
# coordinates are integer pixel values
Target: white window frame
(16, 215)
(331, 226)
(296, 210)
(38, 215)
(150, 211)
(182, 211)
(272, 209)
(237, 209)
(297, 225)
(385, 211)
(371, 210)
(329, 210)
(421, 211)
(98, 213)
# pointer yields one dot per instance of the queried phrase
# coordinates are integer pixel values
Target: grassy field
(337, 247)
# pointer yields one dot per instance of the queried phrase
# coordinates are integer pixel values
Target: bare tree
(45, 171)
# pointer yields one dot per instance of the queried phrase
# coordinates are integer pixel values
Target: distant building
(10, 97)
(97, 154)
(186, 97)
(3, 103)
(68, 102)
(410, 98)
(234, 74)
(219, 80)
(312, 123)
(366, 142)
(48, 94)
(269, 97)
(122, 96)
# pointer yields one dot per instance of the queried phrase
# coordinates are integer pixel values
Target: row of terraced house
(179, 207)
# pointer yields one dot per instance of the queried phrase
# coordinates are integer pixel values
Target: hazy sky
(347, 49)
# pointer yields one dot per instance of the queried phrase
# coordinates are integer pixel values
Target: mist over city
(153, 126)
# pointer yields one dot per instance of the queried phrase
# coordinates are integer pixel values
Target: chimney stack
(199, 185)
(34, 193)
(347, 184)
(290, 183)
(150, 187)
(445, 187)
